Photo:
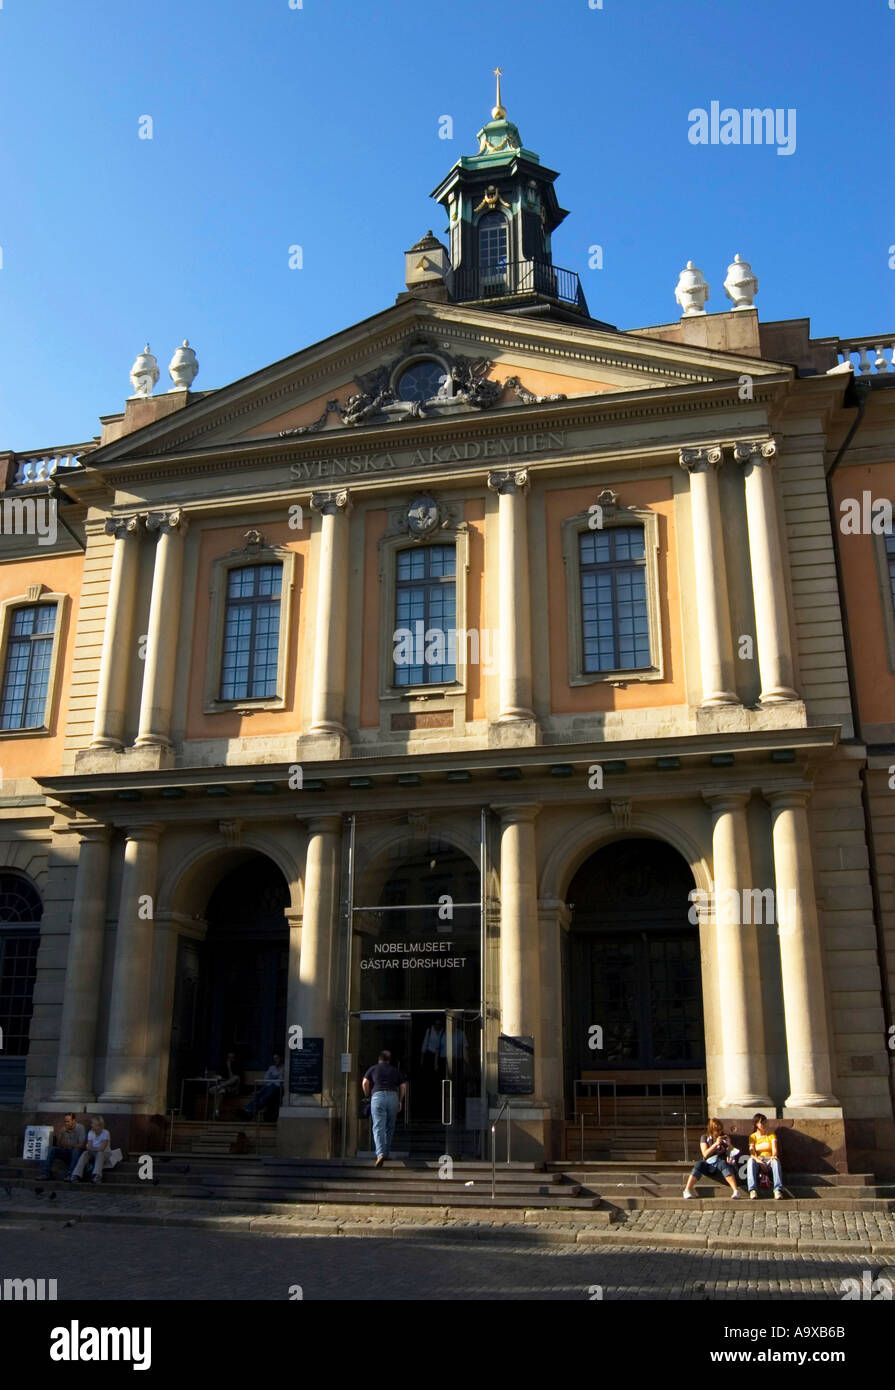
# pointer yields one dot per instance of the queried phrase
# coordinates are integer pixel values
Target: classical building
(475, 682)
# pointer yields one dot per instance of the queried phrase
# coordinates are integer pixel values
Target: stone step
(369, 1196)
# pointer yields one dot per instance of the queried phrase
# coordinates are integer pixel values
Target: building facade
(484, 682)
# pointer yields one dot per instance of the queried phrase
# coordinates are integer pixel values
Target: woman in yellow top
(763, 1151)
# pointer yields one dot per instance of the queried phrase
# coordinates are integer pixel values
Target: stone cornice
(616, 408)
(324, 365)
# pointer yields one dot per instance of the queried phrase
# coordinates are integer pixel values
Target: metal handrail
(504, 1107)
(508, 278)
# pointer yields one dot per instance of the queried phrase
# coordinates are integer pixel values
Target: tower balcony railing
(510, 278)
(869, 355)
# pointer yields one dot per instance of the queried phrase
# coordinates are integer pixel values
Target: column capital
(93, 832)
(321, 825)
(756, 451)
(517, 815)
(700, 460)
(173, 521)
(148, 831)
(786, 798)
(726, 798)
(556, 908)
(122, 526)
(508, 481)
(331, 503)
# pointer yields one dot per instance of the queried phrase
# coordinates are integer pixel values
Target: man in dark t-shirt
(386, 1088)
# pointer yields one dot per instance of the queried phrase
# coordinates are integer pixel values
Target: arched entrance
(416, 964)
(633, 1015)
(231, 988)
(21, 910)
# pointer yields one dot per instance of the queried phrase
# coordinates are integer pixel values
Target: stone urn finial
(183, 367)
(692, 290)
(741, 285)
(144, 373)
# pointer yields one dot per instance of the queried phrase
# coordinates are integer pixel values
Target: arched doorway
(21, 910)
(231, 990)
(417, 994)
(633, 1016)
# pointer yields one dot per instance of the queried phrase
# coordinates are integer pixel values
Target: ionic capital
(172, 522)
(508, 480)
(331, 503)
(756, 451)
(700, 460)
(122, 526)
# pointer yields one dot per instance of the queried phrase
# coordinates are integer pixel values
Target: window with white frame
(251, 632)
(30, 636)
(612, 595)
(426, 615)
(251, 597)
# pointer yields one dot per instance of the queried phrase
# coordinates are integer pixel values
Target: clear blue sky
(319, 127)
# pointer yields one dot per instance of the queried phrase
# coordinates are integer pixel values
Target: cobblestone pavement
(127, 1262)
(759, 1227)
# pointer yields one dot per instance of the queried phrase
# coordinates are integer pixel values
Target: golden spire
(497, 112)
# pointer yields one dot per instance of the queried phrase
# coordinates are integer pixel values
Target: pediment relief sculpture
(423, 381)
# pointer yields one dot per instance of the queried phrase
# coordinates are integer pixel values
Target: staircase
(221, 1137)
(610, 1188)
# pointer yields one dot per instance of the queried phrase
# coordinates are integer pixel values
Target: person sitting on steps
(763, 1156)
(715, 1161)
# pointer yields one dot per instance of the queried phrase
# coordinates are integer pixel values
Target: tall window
(26, 674)
(251, 632)
(20, 912)
(425, 615)
(492, 243)
(614, 614)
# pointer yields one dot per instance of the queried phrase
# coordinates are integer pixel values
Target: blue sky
(319, 127)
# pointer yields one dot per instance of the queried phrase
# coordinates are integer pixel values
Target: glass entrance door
(439, 1054)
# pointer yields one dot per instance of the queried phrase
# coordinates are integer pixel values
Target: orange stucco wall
(474, 516)
(303, 414)
(215, 542)
(548, 383)
(40, 755)
(562, 503)
(376, 522)
(864, 598)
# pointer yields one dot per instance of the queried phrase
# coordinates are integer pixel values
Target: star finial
(497, 112)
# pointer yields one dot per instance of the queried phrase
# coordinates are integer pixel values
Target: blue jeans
(264, 1096)
(776, 1170)
(57, 1152)
(384, 1114)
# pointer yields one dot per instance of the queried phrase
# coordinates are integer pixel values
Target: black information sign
(306, 1068)
(516, 1066)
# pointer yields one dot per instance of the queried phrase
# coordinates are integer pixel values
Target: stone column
(330, 637)
(118, 636)
(519, 965)
(766, 558)
(801, 962)
(715, 641)
(164, 630)
(515, 604)
(126, 1071)
(313, 999)
(84, 969)
(739, 980)
(554, 919)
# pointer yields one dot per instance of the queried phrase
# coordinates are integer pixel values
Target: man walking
(386, 1088)
(69, 1144)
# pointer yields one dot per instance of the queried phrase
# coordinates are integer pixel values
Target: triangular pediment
(491, 362)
